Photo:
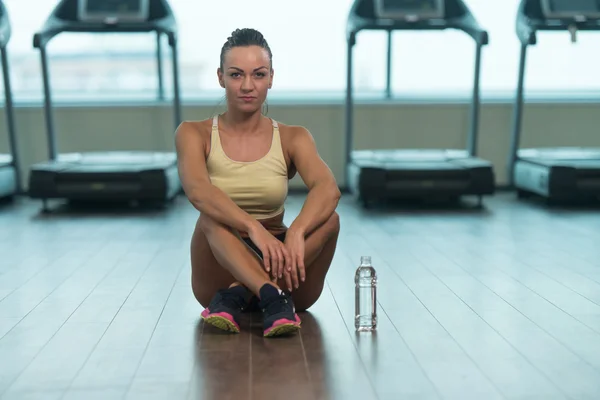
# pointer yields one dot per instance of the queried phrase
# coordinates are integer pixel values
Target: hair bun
(245, 37)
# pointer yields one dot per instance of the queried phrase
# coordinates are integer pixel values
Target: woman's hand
(275, 256)
(295, 272)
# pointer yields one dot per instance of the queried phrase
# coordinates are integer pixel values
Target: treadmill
(100, 177)
(10, 178)
(420, 174)
(560, 173)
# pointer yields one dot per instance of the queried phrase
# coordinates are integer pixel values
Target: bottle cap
(365, 260)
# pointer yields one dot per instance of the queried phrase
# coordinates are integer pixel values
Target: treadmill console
(113, 11)
(409, 10)
(571, 9)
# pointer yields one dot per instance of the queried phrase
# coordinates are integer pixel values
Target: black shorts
(249, 242)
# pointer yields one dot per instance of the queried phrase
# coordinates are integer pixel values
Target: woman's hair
(243, 38)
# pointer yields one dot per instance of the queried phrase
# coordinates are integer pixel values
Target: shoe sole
(282, 327)
(221, 321)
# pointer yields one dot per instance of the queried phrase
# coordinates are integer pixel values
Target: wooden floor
(496, 304)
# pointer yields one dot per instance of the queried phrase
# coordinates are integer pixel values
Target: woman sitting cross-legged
(235, 170)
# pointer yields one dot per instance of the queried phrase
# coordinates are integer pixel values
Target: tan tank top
(258, 187)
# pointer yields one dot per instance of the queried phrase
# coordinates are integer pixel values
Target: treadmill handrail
(5, 27)
(164, 24)
(54, 26)
(466, 23)
(527, 25)
(525, 31)
(5, 35)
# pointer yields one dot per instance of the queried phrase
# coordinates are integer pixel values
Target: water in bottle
(366, 296)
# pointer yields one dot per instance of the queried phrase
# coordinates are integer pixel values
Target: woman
(235, 169)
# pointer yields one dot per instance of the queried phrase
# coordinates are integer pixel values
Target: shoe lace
(276, 304)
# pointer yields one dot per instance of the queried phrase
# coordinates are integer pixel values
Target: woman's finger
(276, 258)
(301, 268)
(280, 261)
(289, 259)
(266, 259)
(288, 280)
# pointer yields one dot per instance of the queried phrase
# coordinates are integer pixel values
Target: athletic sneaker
(279, 313)
(225, 308)
(253, 305)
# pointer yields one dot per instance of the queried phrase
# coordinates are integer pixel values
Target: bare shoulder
(194, 128)
(293, 135)
(193, 133)
(302, 150)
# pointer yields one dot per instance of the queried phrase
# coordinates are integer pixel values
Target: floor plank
(502, 303)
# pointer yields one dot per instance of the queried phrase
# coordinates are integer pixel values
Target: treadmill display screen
(409, 9)
(113, 10)
(571, 8)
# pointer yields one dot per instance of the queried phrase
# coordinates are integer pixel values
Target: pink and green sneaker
(279, 314)
(225, 308)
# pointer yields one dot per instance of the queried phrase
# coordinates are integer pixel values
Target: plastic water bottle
(365, 280)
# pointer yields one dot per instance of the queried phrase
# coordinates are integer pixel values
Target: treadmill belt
(422, 166)
(5, 159)
(109, 169)
(118, 157)
(407, 155)
(579, 164)
(429, 161)
(113, 162)
(574, 157)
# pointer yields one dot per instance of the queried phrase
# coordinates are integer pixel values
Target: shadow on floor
(69, 209)
(248, 365)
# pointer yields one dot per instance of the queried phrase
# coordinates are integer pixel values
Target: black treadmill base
(392, 176)
(564, 202)
(96, 188)
(8, 182)
(109, 207)
(559, 181)
(155, 179)
(419, 204)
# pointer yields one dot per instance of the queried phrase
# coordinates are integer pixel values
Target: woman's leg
(319, 250)
(220, 258)
(232, 255)
(208, 276)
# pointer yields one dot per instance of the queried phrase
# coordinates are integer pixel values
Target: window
(93, 66)
(309, 51)
(442, 63)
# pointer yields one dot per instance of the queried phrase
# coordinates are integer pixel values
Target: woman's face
(247, 77)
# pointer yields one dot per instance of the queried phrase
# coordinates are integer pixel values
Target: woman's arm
(212, 201)
(323, 194)
(203, 195)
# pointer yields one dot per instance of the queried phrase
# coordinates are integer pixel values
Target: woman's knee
(333, 223)
(212, 228)
(206, 224)
(207, 280)
(307, 299)
(202, 295)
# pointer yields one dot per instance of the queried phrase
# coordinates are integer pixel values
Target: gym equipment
(415, 173)
(118, 175)
(560, 173)
(10, 177)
